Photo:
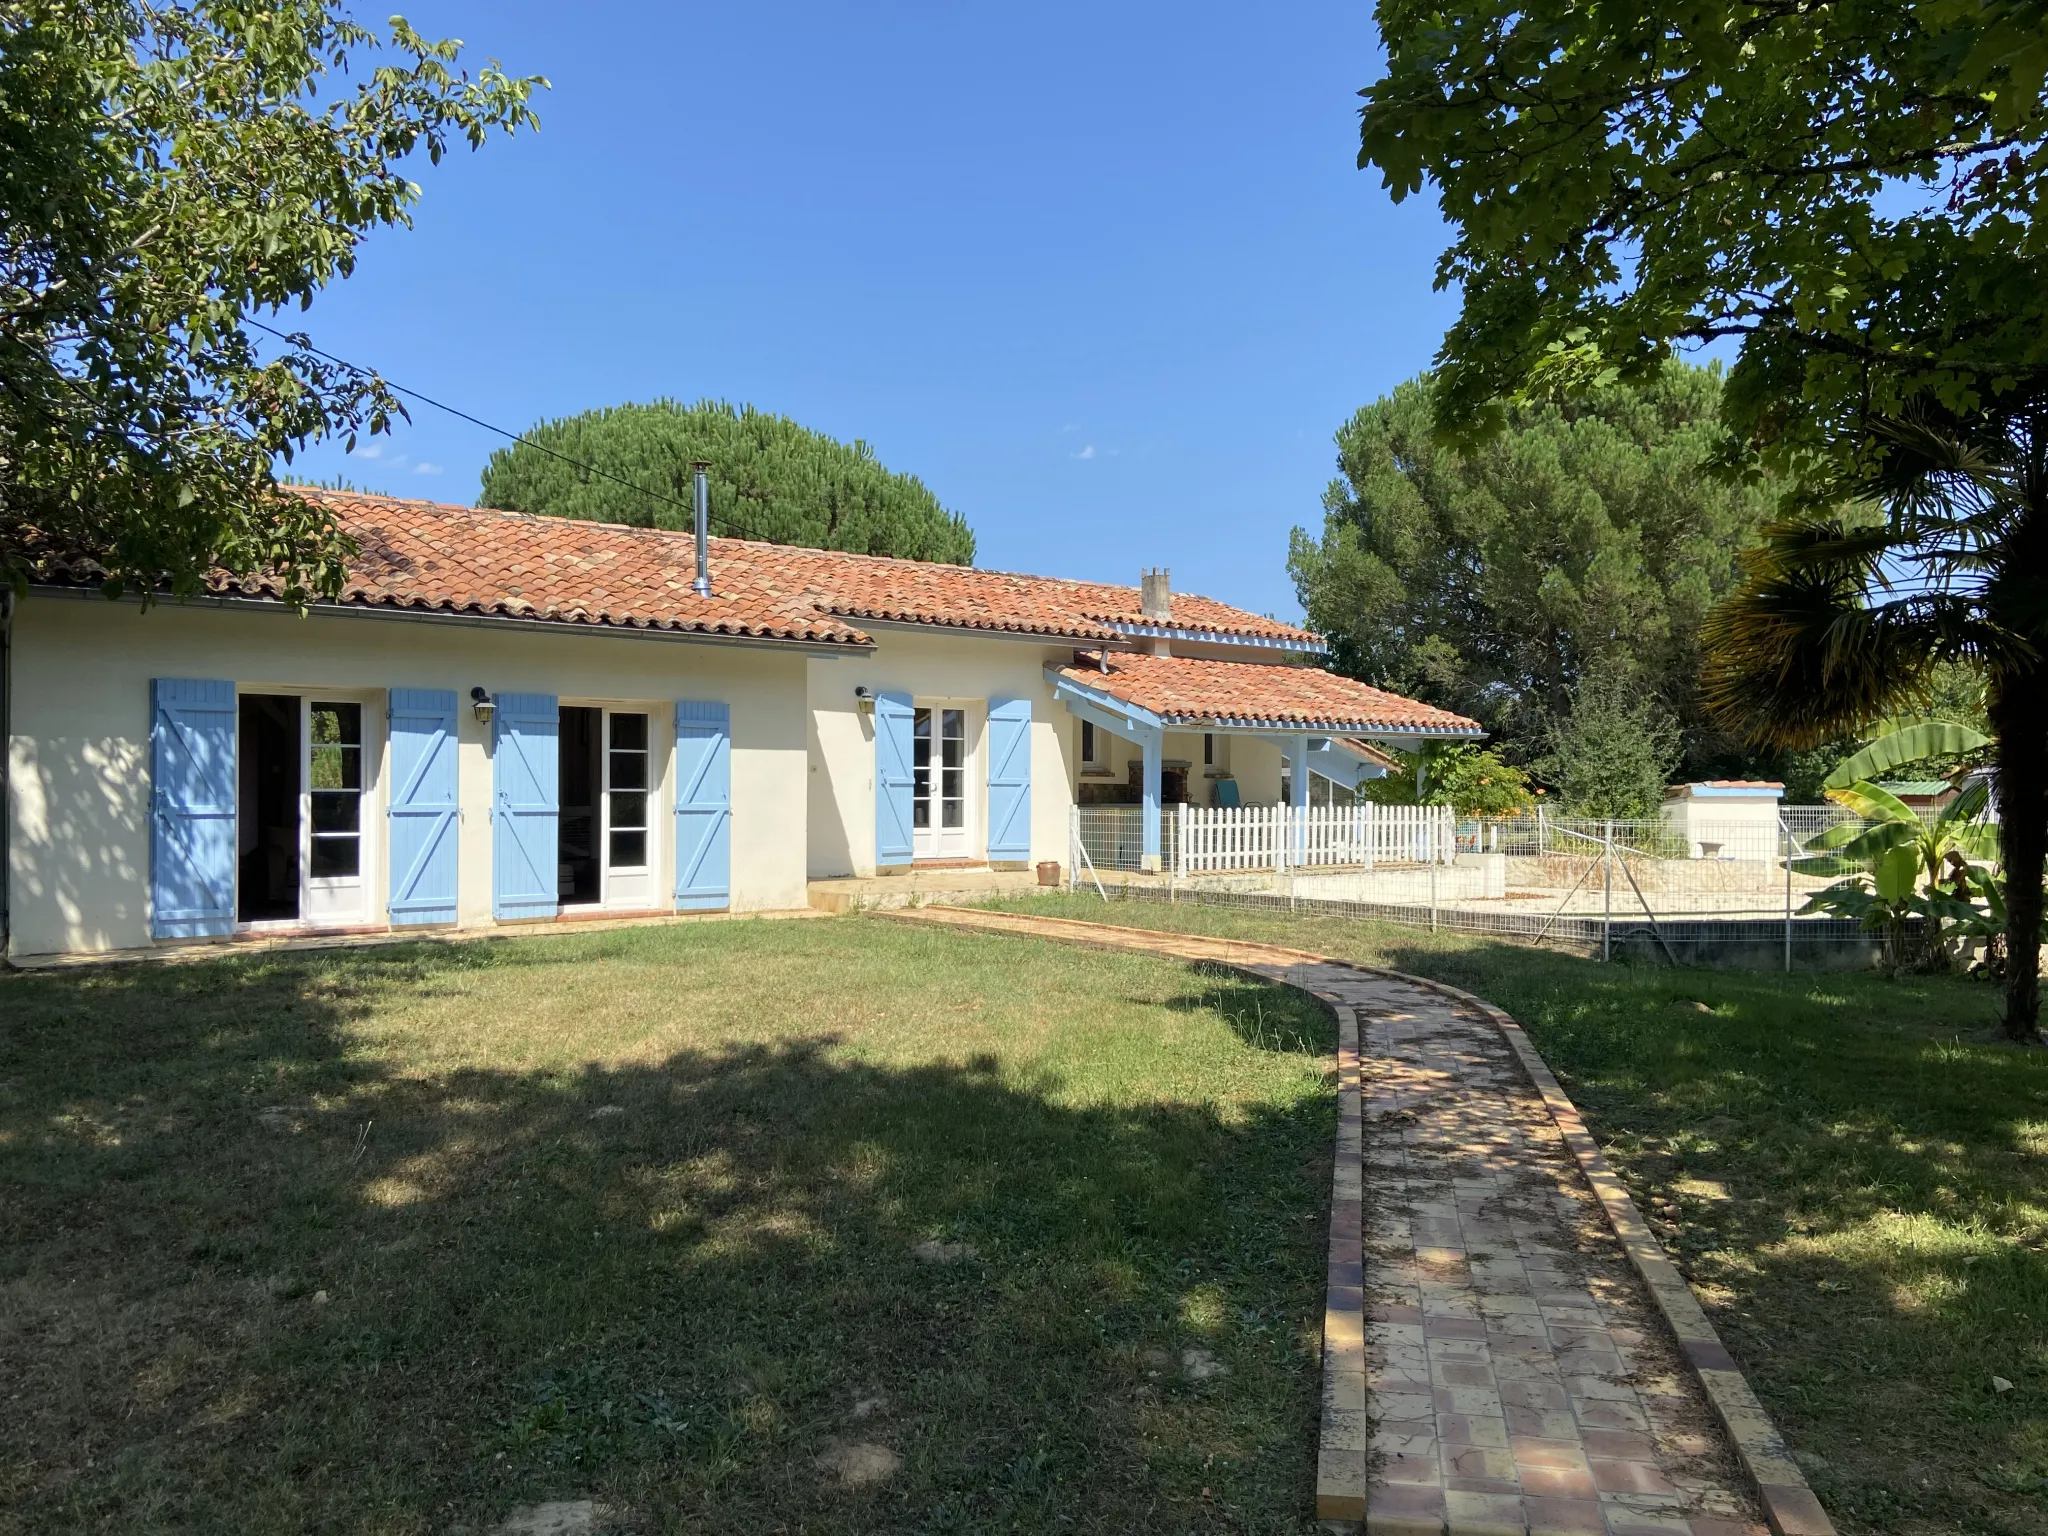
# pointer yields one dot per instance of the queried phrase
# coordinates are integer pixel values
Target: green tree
(168, 170)
(1587, 535)
(1469, 779)
(1852, 193)
(1613, 752)
(1849, 610)
(770, 479)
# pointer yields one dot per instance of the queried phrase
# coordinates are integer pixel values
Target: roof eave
(1270, 725)
(396, 612)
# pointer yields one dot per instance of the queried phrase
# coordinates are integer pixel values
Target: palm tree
(1937, 551)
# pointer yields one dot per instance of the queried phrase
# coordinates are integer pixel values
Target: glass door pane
(953, 768)
(626, 787)
(921, 770)
(335, 782)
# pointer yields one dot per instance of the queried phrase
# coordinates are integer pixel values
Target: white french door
(939, 806)
(334, 854)
(628, 839)
(605, 847)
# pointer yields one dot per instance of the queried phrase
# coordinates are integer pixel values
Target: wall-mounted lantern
(864, 699)
(481, 706)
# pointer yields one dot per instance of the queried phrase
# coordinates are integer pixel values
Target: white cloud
(1087, 452)
(368, 451)
(426, 469)
(1072, 426)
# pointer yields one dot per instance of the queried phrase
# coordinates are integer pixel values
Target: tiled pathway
(1492, 1361)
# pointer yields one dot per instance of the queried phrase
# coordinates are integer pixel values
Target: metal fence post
(1607, 907)
(1785, 827)
(1073, 849)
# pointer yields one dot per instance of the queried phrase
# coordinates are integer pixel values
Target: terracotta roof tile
(430, 557)
(1185, 691)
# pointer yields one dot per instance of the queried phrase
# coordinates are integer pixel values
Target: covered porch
(1227, 735)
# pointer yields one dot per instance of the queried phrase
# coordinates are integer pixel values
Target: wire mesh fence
(1748, 943)
(1681, 887)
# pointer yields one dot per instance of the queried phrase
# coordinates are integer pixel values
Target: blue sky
(1105, 276)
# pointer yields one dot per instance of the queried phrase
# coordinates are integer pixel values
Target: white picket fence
(1215, 839)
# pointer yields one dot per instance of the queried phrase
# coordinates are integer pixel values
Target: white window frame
(1088, 734)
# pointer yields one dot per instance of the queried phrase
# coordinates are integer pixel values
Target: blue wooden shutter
(1009, 780)
(425, 851)
(703, 806)
(895, 777)
(525, 842)
(192, 808)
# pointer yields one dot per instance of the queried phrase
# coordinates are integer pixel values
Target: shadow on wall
(259, 1279)
(79, 845)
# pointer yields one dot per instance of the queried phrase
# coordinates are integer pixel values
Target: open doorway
(580, 864)
(267, 809)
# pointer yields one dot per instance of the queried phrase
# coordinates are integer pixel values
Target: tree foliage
(1853, 193)
(168, 168)
(1469, 779)
(1852, 604)
(770, 479)
(1587, 536)
(1852, 190)
(1901, 865)
(1613, 752)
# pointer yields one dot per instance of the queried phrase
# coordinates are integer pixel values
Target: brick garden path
(1492, 1363)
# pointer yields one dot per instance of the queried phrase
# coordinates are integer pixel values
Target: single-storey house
(504, 719)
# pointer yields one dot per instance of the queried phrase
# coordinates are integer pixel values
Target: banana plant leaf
(1822, 867)
(1897, 874)
(1966, 807)
(1873, 803)
(1866, 845)
(1906, 742)
(1852, 898)
(1978, 842)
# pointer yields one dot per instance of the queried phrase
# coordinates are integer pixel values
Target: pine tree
(1590, 535)
(770, 479)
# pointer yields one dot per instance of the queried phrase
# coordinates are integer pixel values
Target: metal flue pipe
(702, 584)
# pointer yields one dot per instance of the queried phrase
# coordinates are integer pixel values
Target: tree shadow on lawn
(1852, 1174)
(256, 1279)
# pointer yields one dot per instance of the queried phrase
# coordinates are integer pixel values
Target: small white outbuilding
(1726, 818)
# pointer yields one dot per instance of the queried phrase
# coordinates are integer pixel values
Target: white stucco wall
(79, 753)
(954, 666)
(1734, 826)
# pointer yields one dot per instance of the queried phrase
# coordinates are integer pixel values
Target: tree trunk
(2019, 714)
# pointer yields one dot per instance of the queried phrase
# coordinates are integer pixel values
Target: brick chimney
(1155, 595)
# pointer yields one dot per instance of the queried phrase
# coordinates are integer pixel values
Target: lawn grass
(1849, 1168)
(394, 1240)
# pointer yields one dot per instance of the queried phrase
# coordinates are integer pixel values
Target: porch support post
(1153, 742)
(1297, 793)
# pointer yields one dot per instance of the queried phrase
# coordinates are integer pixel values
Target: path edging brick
(1789, 1505)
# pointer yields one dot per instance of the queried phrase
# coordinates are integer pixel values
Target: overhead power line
(478, 421)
